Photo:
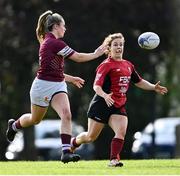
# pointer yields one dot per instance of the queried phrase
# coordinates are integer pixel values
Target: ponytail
(41, 26)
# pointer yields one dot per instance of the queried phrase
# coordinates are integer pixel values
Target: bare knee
(120, 135)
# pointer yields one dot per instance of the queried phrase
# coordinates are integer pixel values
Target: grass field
(131, 167)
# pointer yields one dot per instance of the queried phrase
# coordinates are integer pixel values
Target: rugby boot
(10, 133)
(115, 163)
(70, 157)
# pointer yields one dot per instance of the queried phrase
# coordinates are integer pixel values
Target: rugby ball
(148, 40)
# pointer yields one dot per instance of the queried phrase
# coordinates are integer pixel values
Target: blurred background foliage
(88, 23)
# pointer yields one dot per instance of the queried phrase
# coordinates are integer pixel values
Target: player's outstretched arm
(160, 89)
(84, 57)
(146, 85)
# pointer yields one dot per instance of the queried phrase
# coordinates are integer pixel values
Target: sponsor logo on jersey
(123, 89)
(124, 79)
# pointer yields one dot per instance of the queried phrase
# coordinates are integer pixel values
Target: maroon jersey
(115, 76)
(51, 58)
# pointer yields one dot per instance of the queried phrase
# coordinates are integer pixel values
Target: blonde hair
(46, 22)
(108, 40)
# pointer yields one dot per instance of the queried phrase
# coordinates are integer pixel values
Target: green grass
(131, 167)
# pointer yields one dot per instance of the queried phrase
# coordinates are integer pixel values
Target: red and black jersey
(114, 76)
(51, 58)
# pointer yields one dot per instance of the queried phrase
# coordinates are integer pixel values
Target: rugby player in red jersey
(112, 80)
(49, 86)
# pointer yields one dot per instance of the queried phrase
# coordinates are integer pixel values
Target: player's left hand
(78, 82)
(160, 89)
(100, 50)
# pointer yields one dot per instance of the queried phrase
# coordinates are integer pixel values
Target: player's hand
(100, 50)
(78, 82)
(109, 101)
(160, 89)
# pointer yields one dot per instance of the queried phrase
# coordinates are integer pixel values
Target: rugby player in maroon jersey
(112, 80)
(49, 86)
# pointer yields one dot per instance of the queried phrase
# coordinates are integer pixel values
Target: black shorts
(100, 112)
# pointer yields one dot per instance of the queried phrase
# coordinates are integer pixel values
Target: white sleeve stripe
(65, 51)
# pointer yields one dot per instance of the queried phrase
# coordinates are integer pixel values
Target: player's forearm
(83, 57)
(99, 91)
(146, 85)
(68, 78)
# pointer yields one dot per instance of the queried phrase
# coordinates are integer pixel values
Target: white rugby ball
(148, 40)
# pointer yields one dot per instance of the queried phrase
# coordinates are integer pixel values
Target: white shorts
(42, 91)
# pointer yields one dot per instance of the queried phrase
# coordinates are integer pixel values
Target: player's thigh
(60, 103)
(94, 128)
(38, 112)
